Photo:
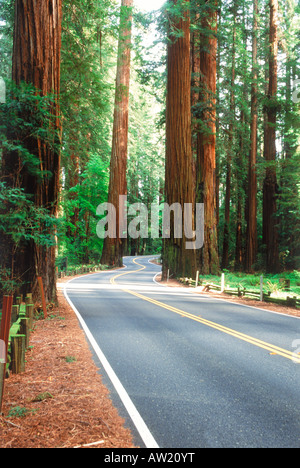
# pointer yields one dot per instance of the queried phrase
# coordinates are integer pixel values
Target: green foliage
(26, 114)
(20, 223)
(89, 57)
(86, 103)
(70, 359)
(251, 282)
(21, 219)
(6, 29)
(20, 412)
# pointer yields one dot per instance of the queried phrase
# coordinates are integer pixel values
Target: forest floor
(60, 400)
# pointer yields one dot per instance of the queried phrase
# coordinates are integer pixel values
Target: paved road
(200, 372)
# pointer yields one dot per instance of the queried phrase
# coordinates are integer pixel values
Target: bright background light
(149, 5)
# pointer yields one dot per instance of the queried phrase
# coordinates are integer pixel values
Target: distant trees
(241, 186)
(253, 152)
(227, 134)
(113, 248)
(270, 189)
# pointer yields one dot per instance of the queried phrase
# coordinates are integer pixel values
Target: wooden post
(29, 314)
(261, 289)
(25, 329)
(15, 313)
(40, 281)
(197, 279)
(28, 299)
(223, 283)
(168, 276)
(18, 354)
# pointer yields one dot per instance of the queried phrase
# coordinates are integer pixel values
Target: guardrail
(80, 271)
(289, 301)
(15, 329)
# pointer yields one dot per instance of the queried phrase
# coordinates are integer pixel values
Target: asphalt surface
(201, 372)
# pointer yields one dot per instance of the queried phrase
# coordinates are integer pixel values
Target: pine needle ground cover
(60, 400)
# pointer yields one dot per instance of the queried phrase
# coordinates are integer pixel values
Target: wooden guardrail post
(29, 314)
(223, 283)
(25, 329)
(261, 289)
(18, 354)
(15, 313)
(28, 299)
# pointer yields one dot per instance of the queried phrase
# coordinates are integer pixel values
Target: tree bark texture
(270, 228)
(208, 258)
(179, 184)
(113, 248)
(226, 238)
(251, 241)
(36, 61)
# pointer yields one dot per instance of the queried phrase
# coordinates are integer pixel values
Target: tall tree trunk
(251, 243)
(242, 138)
(270, 229)
(226, 239)
(36, 60)
(113, 247)
(218, 123)
(179, 177)
(206, 152)
(73, 181)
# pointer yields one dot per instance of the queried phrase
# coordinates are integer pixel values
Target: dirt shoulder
(65, 401)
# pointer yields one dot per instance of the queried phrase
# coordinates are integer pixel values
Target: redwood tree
(36, 61)
(251, 242)
(114, 247)
(179, 186)
(231, 131)
(206, 139)
(270, 229)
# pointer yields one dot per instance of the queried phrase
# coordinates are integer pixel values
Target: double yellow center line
(273, 350)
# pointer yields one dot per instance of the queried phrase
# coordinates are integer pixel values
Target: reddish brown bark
(73, 181)
(251, 242)
(270, 229)
(179, 186)
(114, 247)
(208, 258)
(226, 238)
(36, 60)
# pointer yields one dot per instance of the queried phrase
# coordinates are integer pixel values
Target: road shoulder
(75, 407)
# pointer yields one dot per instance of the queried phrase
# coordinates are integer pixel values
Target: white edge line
(136, 418)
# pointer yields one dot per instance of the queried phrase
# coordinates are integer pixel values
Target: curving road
(192, 371)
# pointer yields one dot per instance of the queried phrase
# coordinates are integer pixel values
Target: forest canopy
(206, 97)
